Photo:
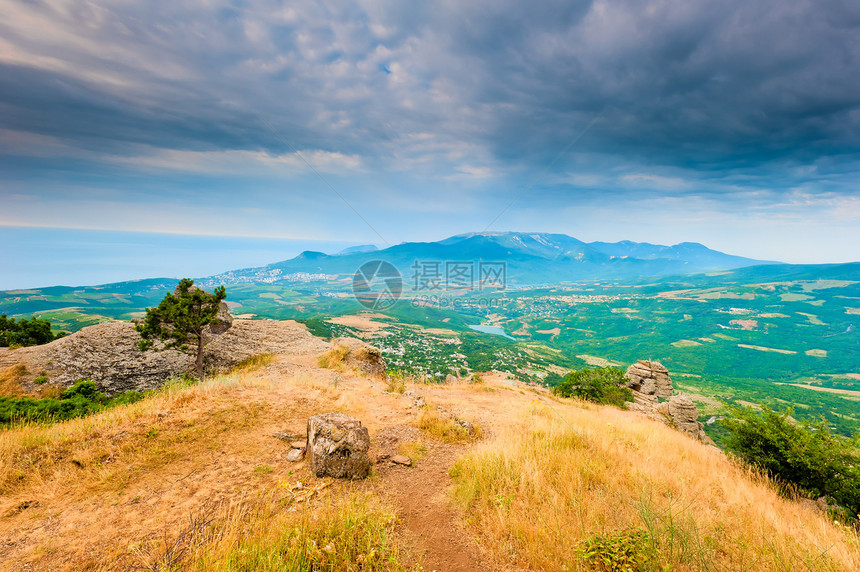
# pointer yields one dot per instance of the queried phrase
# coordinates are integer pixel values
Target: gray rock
(685, 417)
(337, 446)
(649, 378)
(650, 382)
(107, 354)
(295, 455)
(470, 429)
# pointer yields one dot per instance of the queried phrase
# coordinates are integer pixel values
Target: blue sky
(731, 123)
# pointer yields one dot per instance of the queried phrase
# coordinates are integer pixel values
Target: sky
(230, 130)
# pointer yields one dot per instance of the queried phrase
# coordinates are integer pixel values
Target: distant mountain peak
(358, 249)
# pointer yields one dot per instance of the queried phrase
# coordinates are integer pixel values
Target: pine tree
(181, 320)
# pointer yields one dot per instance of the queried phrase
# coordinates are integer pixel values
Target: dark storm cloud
(733, 88)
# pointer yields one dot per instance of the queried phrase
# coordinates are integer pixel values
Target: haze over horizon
(220, 131)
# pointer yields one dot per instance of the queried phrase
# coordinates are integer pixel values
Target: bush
(80, 400)
(24, 332)
(602, 385)
(805, 455)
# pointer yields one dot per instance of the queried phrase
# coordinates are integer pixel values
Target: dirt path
(421, 495)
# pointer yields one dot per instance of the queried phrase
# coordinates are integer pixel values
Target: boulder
(337, 446)
(650, 379)
(651, 386)
(685, 416)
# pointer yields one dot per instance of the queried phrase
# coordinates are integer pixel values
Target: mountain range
(530, 259)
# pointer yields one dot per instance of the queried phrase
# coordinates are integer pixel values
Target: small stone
(295, 455)
(401, 460)
(470, 429)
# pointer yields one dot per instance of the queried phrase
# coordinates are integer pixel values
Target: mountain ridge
(530, 258)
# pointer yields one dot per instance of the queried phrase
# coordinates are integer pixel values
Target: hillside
(192, 478)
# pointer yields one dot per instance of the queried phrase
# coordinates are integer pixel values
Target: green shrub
(24, 332)
(80, 400)
(805, 455)
(39, 380)
(623, 551)
(601, 385)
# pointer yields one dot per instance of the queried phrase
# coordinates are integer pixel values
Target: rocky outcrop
(107, 354)
(684, 416)
(650, 383)
(337, 446)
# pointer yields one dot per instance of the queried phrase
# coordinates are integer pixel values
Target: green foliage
(552, 379)
(181, 319)
(603, 385)
(806, 455)
(24, 332)
(39, 380)
(625, 551)
(318, 327)
(80, 400)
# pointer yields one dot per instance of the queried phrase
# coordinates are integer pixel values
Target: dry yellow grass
(445, 428)
(557, 477)
(147, 433)
(10, 380)
(290, 527)
(334, 358)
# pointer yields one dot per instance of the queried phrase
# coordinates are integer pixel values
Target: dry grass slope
(577, 488)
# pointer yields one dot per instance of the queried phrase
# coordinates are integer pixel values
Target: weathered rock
(685, 417)
(649, 378)
(470, 429)
(299, 445)
(401, 460)
(107, 354)
(650, 382)
(337, 446)
(417, 399)
(295, 455)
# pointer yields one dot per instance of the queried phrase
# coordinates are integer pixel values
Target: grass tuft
(447, 428)
(253, 363)
(334, 359)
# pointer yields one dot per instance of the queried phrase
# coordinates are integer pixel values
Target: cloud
(741, 101)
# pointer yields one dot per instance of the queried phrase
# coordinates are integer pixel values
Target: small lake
(495, 330)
